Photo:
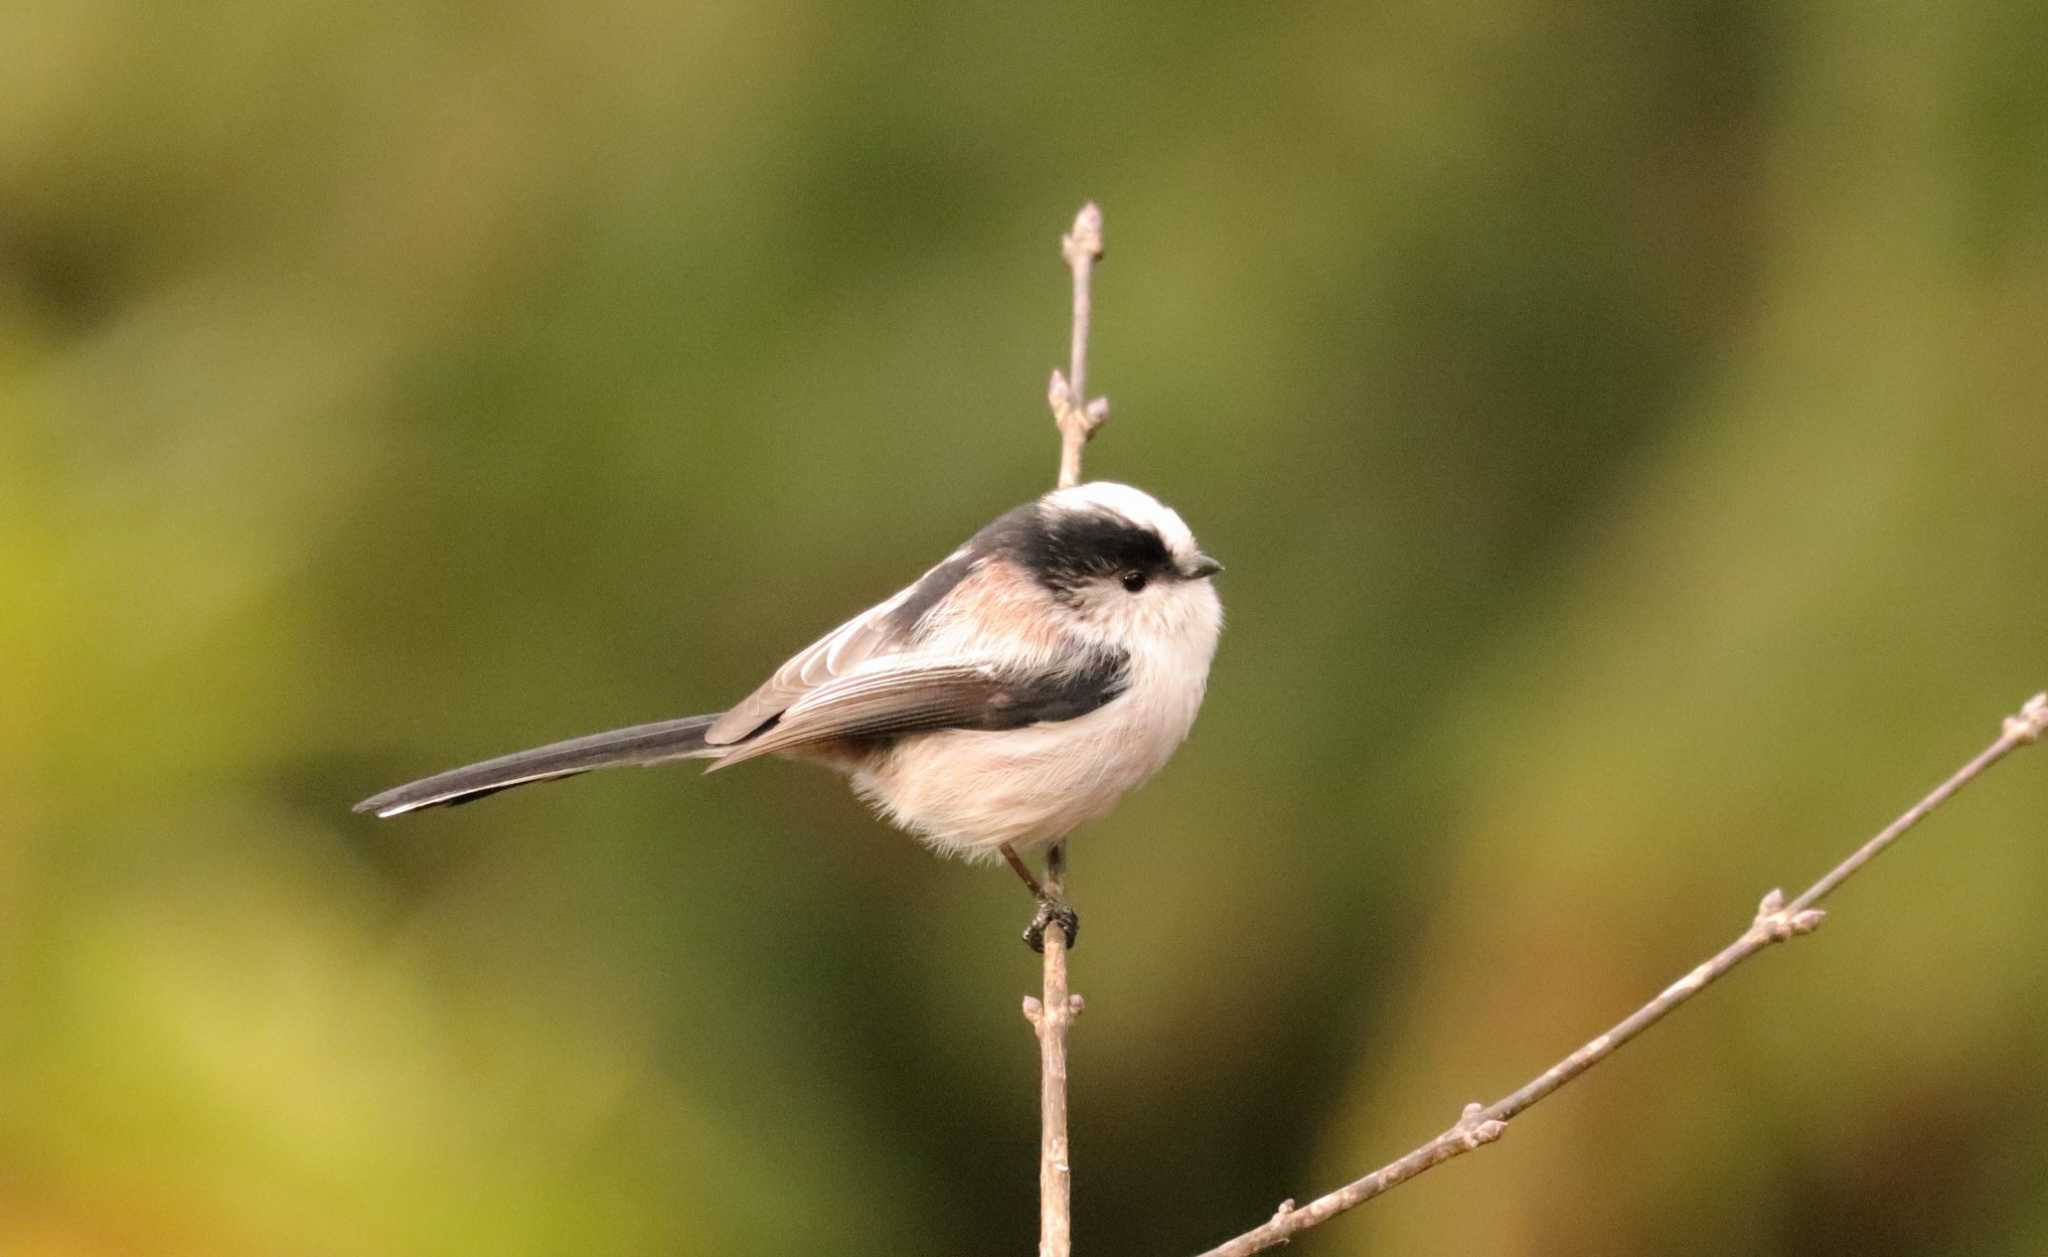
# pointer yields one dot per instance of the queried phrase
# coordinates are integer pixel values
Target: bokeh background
(1622, 423)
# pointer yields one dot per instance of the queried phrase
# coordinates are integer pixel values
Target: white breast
(968, 793)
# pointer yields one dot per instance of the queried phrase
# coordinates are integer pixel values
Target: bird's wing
(880, 630)
(888, 697)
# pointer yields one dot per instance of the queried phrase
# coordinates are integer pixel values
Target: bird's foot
(1052, 912)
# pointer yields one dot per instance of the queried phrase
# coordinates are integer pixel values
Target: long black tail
(641, 744)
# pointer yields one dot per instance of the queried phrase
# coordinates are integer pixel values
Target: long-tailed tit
(1013, 693)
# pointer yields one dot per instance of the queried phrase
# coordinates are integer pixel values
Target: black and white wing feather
(892, 696)
(886, 628)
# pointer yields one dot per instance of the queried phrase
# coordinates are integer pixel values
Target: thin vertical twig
(1050, 1017)
(1775, 922)
(1054, 1011)
(1077, 416)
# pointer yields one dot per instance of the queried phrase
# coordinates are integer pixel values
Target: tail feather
(640, 744)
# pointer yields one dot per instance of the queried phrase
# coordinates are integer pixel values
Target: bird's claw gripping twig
(1052, 911)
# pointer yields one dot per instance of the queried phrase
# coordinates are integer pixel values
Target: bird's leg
(1023, 870)
(1051, 908)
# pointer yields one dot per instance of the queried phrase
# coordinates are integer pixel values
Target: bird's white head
(1128, 567)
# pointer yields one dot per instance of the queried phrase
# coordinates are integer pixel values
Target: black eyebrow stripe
(1063, 548)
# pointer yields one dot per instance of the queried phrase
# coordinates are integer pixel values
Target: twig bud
(2032, 721)
(1776, 925)
(1475, 1128)
(1085, 240)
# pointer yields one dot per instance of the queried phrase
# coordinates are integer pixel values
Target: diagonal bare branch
(1775, 922)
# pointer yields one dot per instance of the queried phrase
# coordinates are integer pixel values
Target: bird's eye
(1134, 581)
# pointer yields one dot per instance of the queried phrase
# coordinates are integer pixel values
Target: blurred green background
(1622, 424)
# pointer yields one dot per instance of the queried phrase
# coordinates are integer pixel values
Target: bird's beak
(1204, 568)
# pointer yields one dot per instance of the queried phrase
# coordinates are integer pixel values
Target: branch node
(1033, 1010)
(1474, 1129)
(1075, 1006)
(2032, 721)
(1076, 421)
(1286, 1207)
(1774, 924)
